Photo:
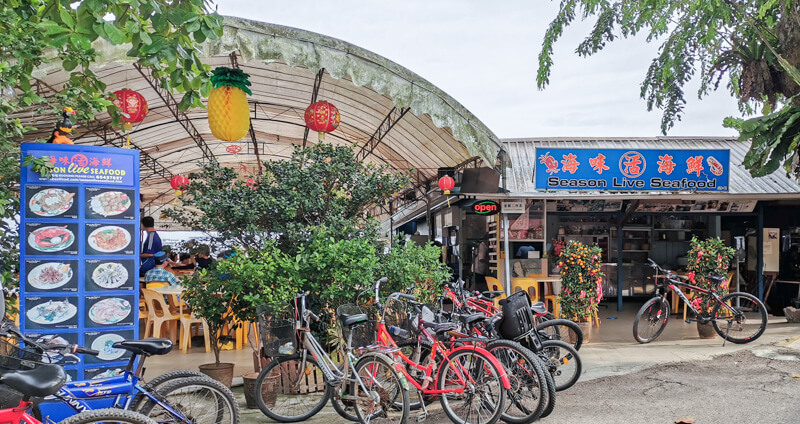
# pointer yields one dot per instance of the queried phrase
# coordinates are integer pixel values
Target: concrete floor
(611, 351)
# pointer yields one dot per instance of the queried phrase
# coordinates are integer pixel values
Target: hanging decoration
(446, 184)
(233, 149)
(322, 117)
(178, 183)
(133, 107)
(63, 128)
(228, 111)
(252, 183)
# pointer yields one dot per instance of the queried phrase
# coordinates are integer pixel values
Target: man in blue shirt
(151, 245)
(160, 273)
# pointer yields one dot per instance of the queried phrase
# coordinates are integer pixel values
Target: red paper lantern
(233, 148)
(178, 183)
(322, 117)
(446, 184)
(131, 103)
(252, 183)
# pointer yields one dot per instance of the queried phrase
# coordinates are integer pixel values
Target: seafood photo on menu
(105, 345)
(50, 275)
(110, 275)
(51, 312)
(110, 203)
(109, 311)
(51, 202)
(51, 238)
(109, 239)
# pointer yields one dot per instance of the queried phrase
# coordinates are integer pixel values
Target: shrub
(710, 257)
(581, 280)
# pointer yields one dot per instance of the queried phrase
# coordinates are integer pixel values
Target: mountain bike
(737, 317)
(177, 399)
(301, 381)
(470, 382)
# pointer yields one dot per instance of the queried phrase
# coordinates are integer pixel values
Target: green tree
(61, 34)
(755, 44)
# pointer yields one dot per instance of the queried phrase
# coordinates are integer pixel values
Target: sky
(485, 55)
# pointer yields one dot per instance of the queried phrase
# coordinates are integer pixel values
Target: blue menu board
(79, 245)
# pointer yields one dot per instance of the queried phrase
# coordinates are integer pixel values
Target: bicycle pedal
(422, 416)
(687, 320)
(334, 382)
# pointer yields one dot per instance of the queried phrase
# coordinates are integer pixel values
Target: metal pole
(507, 272)
(619, 265)
(760, 252)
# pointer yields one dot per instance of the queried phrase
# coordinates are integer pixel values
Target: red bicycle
(470, 382)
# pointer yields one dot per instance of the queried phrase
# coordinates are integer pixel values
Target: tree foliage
(753, 46)
(41, 35)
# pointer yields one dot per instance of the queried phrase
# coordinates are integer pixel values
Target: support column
(506, 260)
(619, 263)
(760, 252)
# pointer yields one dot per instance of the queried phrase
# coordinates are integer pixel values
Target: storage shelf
(679, 229)
(512, 240)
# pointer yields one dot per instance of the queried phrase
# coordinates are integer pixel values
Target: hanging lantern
(132, 104)
(233, 149)
(252, 183)
(322, 117)
(446, 184)
(178, 183)
(228, 111)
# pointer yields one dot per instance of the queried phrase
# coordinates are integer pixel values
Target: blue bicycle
(183, 396)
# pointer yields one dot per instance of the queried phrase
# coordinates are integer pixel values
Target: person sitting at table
(203, 257)
(186, 262)
(160, 273)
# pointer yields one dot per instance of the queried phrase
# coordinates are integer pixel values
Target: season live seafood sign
(79, 263)
(632, 170)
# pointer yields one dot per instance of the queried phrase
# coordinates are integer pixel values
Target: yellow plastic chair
(158, 314)
(156, 284)
(188, 319)
(495, 285)
(531, 285)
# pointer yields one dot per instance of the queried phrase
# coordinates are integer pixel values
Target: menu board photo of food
(51, 202)
(103, 342)
(51, 239)
(61, 338)
(108, 274)
(102, 239)
(105, 311)
(51, 312)
(109, 203)
(51, 276)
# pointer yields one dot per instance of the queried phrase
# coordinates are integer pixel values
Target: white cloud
(484, 54)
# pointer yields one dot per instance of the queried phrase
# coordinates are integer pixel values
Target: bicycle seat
(351, 320)
(493, 294)
(148, 346)
(539, 309)
(439, 327)
(471, 318)
(43, 380)
(716, 279)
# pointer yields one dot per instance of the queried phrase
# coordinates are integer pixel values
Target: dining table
(173, 293)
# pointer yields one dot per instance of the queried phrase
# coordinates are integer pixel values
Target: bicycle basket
(15, 356)
(518, 319)
(398, 313)
(277, 334)
(363, 333)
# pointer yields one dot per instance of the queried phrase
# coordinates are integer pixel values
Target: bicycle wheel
(299, 391)
(651, 320)
(739, 318)
(561, 329)
(551, 394)
(563, 362)
(108, 415)
(527, 396)
(155, 383)
(383, 398)
(481, 399)
(199, 399)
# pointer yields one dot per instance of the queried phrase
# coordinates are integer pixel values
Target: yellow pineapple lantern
(228, 112)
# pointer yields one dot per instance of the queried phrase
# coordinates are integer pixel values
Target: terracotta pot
(586, 327)
(222, 372)
(706, 331)
(269, 390)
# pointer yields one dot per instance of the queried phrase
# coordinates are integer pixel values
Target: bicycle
(465, 373)
(177, 399)
(739, 312)
(371, 383)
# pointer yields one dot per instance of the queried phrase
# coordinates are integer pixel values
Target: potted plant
(710, 257)
(581, 282)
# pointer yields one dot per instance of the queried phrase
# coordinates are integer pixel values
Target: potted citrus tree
(581, 282)
(709, 257)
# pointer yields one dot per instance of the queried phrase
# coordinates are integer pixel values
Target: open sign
(486, 207)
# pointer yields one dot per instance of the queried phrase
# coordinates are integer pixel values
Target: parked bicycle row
(42, 394)
(481, 361)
